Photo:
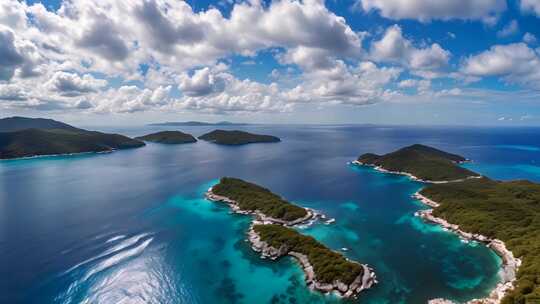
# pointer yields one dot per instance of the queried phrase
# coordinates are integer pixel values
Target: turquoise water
(133, 226)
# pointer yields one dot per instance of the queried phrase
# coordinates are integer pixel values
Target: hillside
(54, 137)
(509, 211)
(224, 137)
(168, 137)
(423, 162)
(11, 124)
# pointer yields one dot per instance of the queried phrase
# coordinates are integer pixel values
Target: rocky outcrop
(362, 282)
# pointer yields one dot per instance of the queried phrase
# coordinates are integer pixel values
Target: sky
(130, 62)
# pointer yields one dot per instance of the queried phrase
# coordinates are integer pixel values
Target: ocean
(133, 226)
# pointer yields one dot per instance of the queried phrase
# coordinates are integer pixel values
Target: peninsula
(168, 137)
(503, 215)
(270, 234)
(28, 137)
(422, 163)
(225, 137)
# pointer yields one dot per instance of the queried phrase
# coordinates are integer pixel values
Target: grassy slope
(253, 197)
(169, 137)
(328, 265)
(421, 161)
(509, 211)
(32, 142)
(236, 137)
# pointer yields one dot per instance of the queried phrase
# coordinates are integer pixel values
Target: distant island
(197, 123)
(224, 137)
(498, 214)
(168, 137)
(325, 270)
(420, 162)
(28, 137)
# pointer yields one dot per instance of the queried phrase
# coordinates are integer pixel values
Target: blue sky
(454, 62)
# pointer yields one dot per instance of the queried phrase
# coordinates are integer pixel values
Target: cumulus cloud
(530, 6)
(70, 84)
(515, 63)
(16, 55)
(202, 82)
(529, 38)
(427, 10)
(393, 47)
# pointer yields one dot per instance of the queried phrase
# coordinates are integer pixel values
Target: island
(503, 215)
(271, 235)
(420, 162)
(247, 198)
(168, 137)
(225, 137)
(196, 124)
(29, 137)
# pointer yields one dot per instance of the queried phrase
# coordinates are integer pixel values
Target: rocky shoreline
(510, 264)
(362, 282)
(412, 177)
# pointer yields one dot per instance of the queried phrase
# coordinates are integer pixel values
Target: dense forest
(224, 137)
(509, 211)
(329, 266)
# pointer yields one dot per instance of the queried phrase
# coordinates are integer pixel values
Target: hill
(35, 137)
(168, 137)
(12, 124)
(224, 137)
(423, 162)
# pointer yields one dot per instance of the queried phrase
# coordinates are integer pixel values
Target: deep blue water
(133, 227)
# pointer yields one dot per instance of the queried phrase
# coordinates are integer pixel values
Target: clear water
(133, 227)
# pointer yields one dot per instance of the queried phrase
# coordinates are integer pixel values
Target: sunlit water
(133, 226)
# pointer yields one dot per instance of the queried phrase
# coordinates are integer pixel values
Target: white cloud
(515, 63)
(529, 38)
(393, 47)
(427, 10)
(70, 84)
(202, 82)
(508, 30)
(531, 6)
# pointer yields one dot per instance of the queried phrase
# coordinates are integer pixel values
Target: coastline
(510, 264)
(364, 281)
(58, 155)
(412, 177)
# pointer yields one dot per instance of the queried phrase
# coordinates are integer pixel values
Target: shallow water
(133, 226)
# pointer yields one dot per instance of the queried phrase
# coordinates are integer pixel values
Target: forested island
(225, 137)
(503, 215)
(27, 137)
(420, 162)
(270, 234)
(168, 137)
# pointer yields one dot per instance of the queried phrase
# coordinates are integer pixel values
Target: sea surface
(133, 226)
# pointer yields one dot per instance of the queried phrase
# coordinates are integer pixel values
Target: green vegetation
(329, 266)
(224, 137)
(52, 137)
(251, 197)
(509, 211)
(168, 137)
(424, 162)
